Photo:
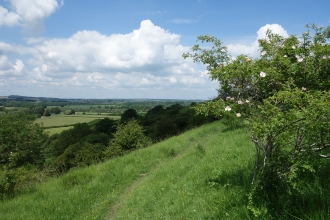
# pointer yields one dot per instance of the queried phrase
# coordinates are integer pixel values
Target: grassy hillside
(202, 174)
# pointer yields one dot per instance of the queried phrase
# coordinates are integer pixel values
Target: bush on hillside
(284, 98)
(130, 136)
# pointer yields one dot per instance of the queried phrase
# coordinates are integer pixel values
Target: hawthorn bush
(128, 137)
(283, 97)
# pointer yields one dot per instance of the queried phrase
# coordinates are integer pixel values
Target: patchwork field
(66, 120)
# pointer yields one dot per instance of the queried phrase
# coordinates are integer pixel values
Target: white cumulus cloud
(149, 49)
(29, 14)
(8, 18)
(253, 48)
(146, 59)
(8, 68)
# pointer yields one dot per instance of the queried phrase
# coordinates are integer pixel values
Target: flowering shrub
(286, 107)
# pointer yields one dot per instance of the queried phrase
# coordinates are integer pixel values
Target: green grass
(204, 173)
(174, 179)
(65, 120)
(51, 131)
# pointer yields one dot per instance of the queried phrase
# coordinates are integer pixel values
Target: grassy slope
(201, 174)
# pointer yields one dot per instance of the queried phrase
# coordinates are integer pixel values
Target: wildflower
(227, 108)
(293, 47)
(247, 101)
(300, 59)
(232, 98)
(223, 50)
(324, 57)
(285, 56)
(228, 97)
(262, 74)
(239, 102)
(247, 59)
(263, 53)
(238, 114)
(303, 89)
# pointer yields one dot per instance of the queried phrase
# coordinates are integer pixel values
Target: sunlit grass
(64, 120)
(204, 173)
(173, 179)
(51, 131)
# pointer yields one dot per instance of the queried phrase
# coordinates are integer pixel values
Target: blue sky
(130, 48)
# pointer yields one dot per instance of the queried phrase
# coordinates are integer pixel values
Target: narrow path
(122, 198)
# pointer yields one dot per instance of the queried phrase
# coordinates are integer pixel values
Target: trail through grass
(201, 174)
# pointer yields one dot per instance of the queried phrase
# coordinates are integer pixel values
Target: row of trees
(284, 99)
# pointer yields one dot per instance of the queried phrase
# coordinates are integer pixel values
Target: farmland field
(65, 120)
(57, 130)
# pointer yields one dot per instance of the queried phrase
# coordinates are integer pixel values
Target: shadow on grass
(241, 178)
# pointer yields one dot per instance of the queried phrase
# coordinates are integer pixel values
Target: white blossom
(263, 53)
(262, 74)
(227, 108)
(299, 59)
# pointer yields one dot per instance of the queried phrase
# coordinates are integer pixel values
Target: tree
(46, 112)
(20, 140)
(130, 136)
(129, 114)
(70, 112)
(55, 110)
(284, 98)
(69, 137)
(106, 125)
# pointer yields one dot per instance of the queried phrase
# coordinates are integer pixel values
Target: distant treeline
(111, 106)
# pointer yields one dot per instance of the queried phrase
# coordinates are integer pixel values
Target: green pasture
(66, 120)
(57, 130)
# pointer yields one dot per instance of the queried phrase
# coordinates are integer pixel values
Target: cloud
(8, 68)
(149, 57)
(150, 49)
(253, 48)
(29, 14)
(8, 18)
(146, 59)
